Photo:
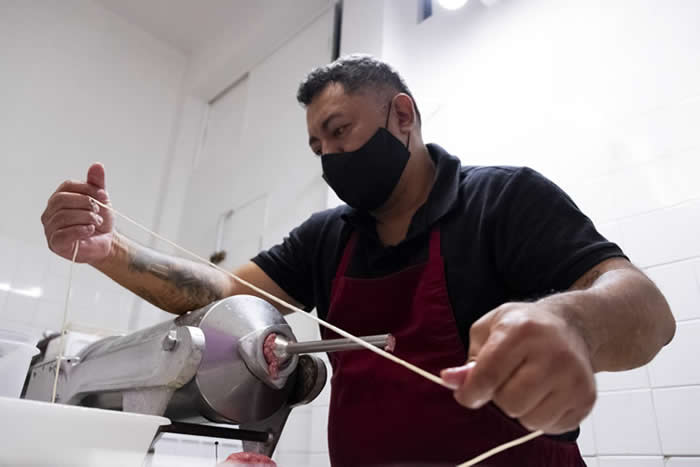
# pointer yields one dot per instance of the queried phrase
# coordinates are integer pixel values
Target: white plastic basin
(42, 434)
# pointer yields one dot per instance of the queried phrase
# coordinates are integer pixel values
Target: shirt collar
(442, 198)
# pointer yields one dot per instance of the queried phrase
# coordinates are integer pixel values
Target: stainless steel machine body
(202, 369)
(205, 367)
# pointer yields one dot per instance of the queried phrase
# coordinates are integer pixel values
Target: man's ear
(405, 111)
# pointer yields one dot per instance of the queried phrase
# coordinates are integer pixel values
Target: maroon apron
(382, 414)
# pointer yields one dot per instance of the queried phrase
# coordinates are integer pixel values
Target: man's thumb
(96, 175)
(479, 333)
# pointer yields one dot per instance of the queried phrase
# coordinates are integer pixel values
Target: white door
(211, 188)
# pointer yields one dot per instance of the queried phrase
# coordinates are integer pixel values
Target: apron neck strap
(434, 250)
(435, 243)
(347, 254)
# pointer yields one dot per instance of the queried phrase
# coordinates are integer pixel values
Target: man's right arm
(174, 284)
(178, 285)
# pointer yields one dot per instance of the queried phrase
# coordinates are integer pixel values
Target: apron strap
(347, 255)
(435, 251)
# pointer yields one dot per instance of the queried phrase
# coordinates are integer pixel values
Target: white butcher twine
(61, 343)
(435, 379)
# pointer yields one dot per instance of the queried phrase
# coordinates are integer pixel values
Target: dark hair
(354, 72)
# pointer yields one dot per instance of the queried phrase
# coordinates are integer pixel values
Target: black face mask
(365, 178)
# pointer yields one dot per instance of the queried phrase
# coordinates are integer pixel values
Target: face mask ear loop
(386, 124)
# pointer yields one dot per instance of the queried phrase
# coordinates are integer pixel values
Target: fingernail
(452, 377)
(459, 370)
(455, 376)
(99, 219)
(452, 373)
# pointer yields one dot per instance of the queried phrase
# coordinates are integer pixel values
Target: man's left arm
(536, 361)
(619, 312)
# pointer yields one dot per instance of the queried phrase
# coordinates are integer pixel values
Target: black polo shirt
(507, 234)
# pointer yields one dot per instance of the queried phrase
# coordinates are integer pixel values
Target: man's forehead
(333, 99)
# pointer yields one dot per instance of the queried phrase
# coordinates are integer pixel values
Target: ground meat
(273, 363)
(390, 344)
(248, 459)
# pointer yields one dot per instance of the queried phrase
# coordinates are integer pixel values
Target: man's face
(340, 122)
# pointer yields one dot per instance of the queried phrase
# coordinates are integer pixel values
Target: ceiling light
(452, 4)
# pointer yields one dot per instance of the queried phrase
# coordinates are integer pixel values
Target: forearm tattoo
(186, 285)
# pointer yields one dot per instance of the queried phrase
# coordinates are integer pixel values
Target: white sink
(42, 434)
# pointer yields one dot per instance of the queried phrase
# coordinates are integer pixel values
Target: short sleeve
(543, 242)
(289, 263)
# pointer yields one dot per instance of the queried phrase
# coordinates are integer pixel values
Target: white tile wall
(586, 440)
(228, 447)
(639, 189)
(179, 460)
(679, 284)
(9, 248)
(678, 413)
(682, 183)
(96, 301)
(319, 460)
(167, 445)
(613, 231)
(663, 236)
(632, 379)
(55, 286)
(20, 310)
(3, 298)
(188, 451)
(48, 315)
(193, 447)
(677, 363)
(638, 461)
(631, 461)
(324, 398)
(596, 200)
(32, 264)
(293, 459)
(319, 429)
(683, 462)
(296, 436)
(697, 281)
(624, 424)
(664, 131)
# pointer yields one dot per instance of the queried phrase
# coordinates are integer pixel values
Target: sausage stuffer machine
(205, 370)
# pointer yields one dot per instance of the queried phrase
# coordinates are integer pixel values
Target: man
(494, 266)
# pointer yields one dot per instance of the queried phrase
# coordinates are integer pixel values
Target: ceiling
(191, 25)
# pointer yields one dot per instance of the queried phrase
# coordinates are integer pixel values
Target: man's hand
(71, 215)
(531, 363)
